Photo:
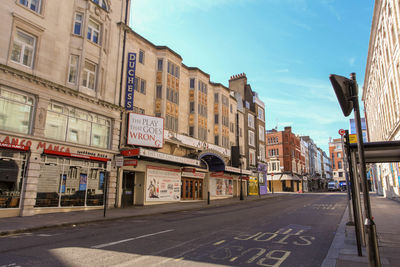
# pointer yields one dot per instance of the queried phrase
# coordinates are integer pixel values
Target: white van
(333, 186)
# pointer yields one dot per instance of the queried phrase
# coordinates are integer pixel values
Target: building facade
(381, 90)
(59, 114)
(336, 157)
(285, 163)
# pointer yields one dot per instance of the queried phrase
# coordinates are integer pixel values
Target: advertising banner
(145, 130)
(82, 182)
(130, 81)
(221, 187)
(163, 184)
(253, 186)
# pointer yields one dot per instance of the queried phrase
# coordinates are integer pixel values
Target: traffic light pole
(373, 251)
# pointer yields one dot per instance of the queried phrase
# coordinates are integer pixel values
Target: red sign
(272, 174)
(130, 162)
(73, 155)
(130, 152)
(342, 132)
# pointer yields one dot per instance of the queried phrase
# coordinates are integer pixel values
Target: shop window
(64, 182)
(69, 124)
(12, 170)
(15, 111)
(23, 48)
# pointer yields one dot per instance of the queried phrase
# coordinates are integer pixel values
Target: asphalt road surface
(294, 230)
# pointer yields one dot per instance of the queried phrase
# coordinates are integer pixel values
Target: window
(224, 100)
(141, 56)
(192, 81)
(231, 108)
(74, 125)
(191, 131)
(232, 127)
(261, 133)
(340, 174)
(89, 75)
(159, 91)
(250, 121)
(78, 24)
(339, 165)
(172, 69)
(216, 140)
(160, 64)
(142, 86)
(252, 157)
(93, 33)
(251, 138)
(191, 107)
(216, 98)
(339, 155)
(262, 153)
(260, 113)
(216, 118)
(23, 48)
(15, 111)
(73, 69)
(101, 3)
(247, 104)
(32, 4)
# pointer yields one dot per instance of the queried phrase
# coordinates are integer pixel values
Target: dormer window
(101, 3)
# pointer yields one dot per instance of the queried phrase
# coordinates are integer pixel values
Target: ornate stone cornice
(57, 87)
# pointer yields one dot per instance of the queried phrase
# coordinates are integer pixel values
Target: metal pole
(373, 251)
(105, 192)
(350, 222)
(352, 186)
(241, 189)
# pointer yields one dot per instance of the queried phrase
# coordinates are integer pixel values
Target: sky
(286, 48)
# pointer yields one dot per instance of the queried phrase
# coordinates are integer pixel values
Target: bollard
(208, 198)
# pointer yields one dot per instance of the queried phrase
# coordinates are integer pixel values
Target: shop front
(42, 177)
(157, 178)
(253, 186)
(221, 185)
(192, 184)
(262, 175)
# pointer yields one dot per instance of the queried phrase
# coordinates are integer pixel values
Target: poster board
(163, 184)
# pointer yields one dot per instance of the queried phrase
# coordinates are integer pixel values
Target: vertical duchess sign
(130, 81)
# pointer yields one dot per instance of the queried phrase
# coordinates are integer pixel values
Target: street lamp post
(241, 189)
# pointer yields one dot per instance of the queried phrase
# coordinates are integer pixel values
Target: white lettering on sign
(145, 130)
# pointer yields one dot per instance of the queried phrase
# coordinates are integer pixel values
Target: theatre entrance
(191, 188)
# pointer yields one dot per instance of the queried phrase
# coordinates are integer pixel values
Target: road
(295, 230)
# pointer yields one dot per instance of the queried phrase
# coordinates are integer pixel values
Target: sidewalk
(14, 225)
(343, 251)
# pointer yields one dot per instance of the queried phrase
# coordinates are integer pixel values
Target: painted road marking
(130, 239)
(219, 243)
(179, 259)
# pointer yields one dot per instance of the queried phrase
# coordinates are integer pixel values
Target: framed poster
(82, 181)
(163, 184)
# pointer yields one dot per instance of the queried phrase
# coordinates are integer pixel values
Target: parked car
(333, 186)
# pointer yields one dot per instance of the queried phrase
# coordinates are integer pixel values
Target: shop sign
(220, 175)
(15, 143)
(163, 184)
(130, 81)
(168, 157)
(253, 186)
(199, 175)
(190, 141)
(236, 170)
(145, 130)
(130, 152)
(130, 162)
(49, 148)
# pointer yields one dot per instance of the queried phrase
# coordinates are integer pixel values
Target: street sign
(342, 132)
(352, 138)
(119, 161)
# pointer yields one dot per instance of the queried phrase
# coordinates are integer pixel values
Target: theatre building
(177, 133)
(59, 117)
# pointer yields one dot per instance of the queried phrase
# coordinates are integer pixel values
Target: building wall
(336, 157)
(381, 88)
